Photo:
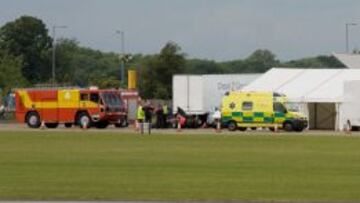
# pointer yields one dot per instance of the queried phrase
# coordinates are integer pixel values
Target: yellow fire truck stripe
(66, 99)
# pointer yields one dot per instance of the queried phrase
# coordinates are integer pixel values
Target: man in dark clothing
(159, 117)
(148, 109)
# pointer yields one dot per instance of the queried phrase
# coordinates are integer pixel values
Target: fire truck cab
(83, 107)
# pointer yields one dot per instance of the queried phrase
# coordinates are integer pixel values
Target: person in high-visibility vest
(165, 115)
(140, 116)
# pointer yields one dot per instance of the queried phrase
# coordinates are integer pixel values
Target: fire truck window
(84, 97)
(94, 97)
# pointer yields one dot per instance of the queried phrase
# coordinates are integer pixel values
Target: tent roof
(306, 85)
(349, 60)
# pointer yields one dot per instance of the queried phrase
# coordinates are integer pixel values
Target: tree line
(26, 60)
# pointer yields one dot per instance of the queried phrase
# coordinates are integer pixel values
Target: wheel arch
(31, 111)
(78, 112)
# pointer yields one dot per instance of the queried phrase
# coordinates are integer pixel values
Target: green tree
(157, 71)
(314, 62)
(28, 38)
(260, 61)
(198, 66)
(10, 72)
(83, 66)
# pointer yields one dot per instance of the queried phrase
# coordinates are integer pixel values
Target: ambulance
(70, 106)
(242, 110)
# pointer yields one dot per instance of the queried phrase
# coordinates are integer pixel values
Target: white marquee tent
(319, 91)
(351, 61)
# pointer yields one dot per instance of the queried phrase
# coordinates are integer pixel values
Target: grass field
(43, 165)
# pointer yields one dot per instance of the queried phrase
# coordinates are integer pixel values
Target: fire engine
(83, 107)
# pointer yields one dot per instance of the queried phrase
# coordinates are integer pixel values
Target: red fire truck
(83, 107)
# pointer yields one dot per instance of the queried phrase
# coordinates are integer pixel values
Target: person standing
(217, 119)
(165, 115)
(159, 116)
(140, 116)
(148, 109)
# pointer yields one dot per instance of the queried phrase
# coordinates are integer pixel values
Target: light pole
(53, 52)
(122, 58)
(347, 34)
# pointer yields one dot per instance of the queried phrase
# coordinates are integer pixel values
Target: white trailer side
(188, 93)
(200, 94)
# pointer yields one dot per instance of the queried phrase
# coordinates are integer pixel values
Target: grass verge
(43, 165)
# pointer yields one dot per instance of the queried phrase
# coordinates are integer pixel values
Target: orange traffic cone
(136, 125)
(42, 126)
(276, 129)
(178, 127)
(218, 127)
(84, 127)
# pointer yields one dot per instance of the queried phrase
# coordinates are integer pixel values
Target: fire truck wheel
(68, 125)
(84, 120)
(51, 125)
(33, 120)
(102, 124)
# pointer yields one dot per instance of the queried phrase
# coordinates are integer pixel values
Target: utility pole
(122, 57)
(347, 34)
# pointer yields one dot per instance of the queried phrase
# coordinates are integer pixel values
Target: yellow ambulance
(242, 110)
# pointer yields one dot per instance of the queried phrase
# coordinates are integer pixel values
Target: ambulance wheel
(272, 129)
(102, 124)
(33, 120)
(242, 128)
(84, 120)
(68, 125)
(51, 125)
(232, 126)
(288, 127)
(299, 129)
(253, 128)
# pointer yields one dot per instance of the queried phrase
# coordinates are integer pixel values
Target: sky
(209, 29)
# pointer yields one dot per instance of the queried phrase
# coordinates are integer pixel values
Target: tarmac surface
(131, 130)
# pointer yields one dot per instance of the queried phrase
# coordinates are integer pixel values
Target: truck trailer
(199, 95)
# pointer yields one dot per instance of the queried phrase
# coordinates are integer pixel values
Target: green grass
(43, 165)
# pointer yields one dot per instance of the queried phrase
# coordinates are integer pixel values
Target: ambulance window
(94, 97)
(247, 106)
(84, 97)
(279, 107)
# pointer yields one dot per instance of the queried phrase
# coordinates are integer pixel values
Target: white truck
(199, 95)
